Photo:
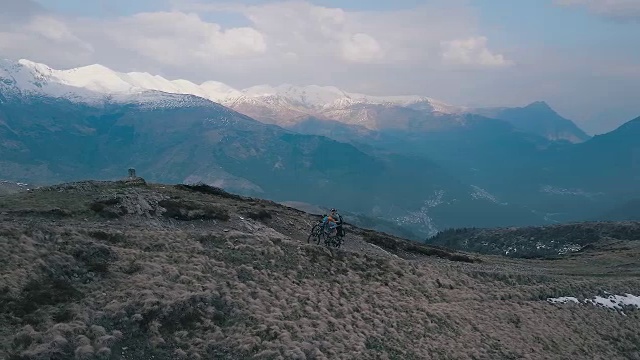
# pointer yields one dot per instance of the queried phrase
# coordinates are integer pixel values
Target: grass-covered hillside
(129, 270)
(531, 241)
(9, 187)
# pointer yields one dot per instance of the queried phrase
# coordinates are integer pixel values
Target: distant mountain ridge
(99, 79)
(285, 105)
(397, 158)
(538, 118)
(208, 142)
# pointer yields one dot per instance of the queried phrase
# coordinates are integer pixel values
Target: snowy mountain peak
(37, 67)
(101, 79)
(98, 82)
(312, 96)
(330, 97)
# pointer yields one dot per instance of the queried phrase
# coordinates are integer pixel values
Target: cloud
(304, 36)
(471, 51)
(313, 31)
(622, 10)
(33, 33)
(54, 30)
(353, 37)
(177, 38)
(25, 26)
(361, 48)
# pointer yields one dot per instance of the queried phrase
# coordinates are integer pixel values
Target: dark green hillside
(47, 140)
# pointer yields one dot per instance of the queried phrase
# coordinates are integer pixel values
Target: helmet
(333, 210)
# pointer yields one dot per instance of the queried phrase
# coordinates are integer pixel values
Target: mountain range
(284, 105)
(416, 161)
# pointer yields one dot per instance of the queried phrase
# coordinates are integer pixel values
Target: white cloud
(624, 10)
(54, 30)
(362, 37)
(305, 36)
(361, 48)
(177, 38)
(313, 31)
(473, 52)
(42, 36)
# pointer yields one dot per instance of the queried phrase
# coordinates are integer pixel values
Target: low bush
(260, 215)
(208, 189)
(113, 238)
(106, 208)
(95, 257)
(396, 245)
(188, 211)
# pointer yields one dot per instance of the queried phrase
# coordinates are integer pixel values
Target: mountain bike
(317, 233)
(320, 232)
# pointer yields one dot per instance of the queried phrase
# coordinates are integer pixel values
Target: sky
(580, 56)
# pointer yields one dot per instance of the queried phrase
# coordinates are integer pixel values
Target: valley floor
(140, 271)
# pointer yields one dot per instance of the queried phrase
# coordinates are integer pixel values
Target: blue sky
(578, 55)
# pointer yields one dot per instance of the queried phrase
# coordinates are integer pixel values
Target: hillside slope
(99, 270)
(10, 187)
(539, 118)
(533, 241)
(627, 211)
(210, 143)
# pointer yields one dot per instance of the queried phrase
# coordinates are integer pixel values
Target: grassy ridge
(144, 284)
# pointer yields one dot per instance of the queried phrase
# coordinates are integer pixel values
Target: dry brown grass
(236, 295)
(98, 290)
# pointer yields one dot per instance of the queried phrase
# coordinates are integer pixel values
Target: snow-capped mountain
(94, 84)
(281, 104)
(329, 97)
(97, 79)
(285, 105)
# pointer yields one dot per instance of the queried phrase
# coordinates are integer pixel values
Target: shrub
(259, 215)
(208, 189)
(96, 257)
(211, 240)
(97, 206)
(382, 241)
(396, 245)
(45, 291)
(102, 208)
(113, 238)
(188, 211)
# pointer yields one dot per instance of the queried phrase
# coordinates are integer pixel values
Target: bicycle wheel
(313, 233)
(316, 232)
(320, 235)
(335, 241)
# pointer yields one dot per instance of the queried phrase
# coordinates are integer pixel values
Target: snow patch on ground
(563, 300)
(569, 248)
(611, 301)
